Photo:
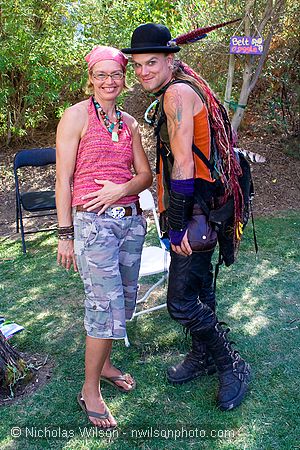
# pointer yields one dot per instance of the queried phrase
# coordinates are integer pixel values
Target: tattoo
(175, 111)
(177, 173)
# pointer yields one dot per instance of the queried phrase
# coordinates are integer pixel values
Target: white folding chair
(154, 260)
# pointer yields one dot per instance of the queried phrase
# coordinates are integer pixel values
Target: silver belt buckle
(118, 212)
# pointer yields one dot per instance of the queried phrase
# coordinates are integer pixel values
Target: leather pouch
(201, 235)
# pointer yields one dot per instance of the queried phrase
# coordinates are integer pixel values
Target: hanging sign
(246, 45)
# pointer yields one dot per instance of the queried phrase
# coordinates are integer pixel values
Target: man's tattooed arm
(175, 111)
(177, 173)
(178, 107)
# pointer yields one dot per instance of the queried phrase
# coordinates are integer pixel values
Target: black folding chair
(36, 201)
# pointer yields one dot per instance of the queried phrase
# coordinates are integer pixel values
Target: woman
(97, 147)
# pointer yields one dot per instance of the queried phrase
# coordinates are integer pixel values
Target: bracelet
(66, 237)
(66, 233)
(69, 228)
(61, 231)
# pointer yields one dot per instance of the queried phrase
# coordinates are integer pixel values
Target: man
(183, 120)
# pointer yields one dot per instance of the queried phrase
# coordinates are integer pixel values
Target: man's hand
(103, 198)
(65, 254)
(184, 248)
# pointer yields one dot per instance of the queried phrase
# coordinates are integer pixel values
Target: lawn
(259, 299)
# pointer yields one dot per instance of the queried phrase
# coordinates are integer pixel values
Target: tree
(269, 22)
(42, 67)
(37, 45)
(42, 63)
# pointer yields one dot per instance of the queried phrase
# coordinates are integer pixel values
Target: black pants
(191, 298)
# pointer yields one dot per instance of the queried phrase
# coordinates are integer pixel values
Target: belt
(116, 212)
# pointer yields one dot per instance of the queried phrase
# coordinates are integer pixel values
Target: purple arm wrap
(185, 187)
(176, 236)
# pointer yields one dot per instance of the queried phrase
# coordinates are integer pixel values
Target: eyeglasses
(103, 76)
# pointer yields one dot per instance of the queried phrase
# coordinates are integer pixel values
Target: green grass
(258, 297)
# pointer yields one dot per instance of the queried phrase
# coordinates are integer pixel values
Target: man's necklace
(151, 112)
(110, 126)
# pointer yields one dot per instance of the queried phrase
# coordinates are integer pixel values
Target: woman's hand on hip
(65, 254)
(106, 196)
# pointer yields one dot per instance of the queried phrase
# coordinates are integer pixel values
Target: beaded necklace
(110, 126)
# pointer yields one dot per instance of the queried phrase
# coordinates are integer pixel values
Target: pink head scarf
(102, 53)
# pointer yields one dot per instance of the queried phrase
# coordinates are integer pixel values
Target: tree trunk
(12, 366)
(271, 14)
(244, 95)
(229, 82)
(249, 82)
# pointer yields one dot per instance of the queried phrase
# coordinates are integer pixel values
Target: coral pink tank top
(101, 158)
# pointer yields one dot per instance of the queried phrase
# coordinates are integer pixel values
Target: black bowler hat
(151, 38)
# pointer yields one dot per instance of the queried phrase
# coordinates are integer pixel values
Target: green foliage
(42, 63)
(43, 45)
(284, 102)
(38, 52)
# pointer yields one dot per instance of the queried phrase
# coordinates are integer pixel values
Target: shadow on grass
(258, 297)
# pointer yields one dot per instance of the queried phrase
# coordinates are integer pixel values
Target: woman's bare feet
(94, 402)
(110, 371)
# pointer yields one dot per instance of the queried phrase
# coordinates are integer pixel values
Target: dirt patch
(42, 368)
(277, 181)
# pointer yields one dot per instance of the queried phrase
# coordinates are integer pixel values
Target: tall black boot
(195, 364)
(233, 371)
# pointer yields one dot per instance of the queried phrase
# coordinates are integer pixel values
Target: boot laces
(228, 344)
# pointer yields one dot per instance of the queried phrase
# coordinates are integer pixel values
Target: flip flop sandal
(88, 413)
(112, 382)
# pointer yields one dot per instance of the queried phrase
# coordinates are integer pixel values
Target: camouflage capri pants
(108, 255)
